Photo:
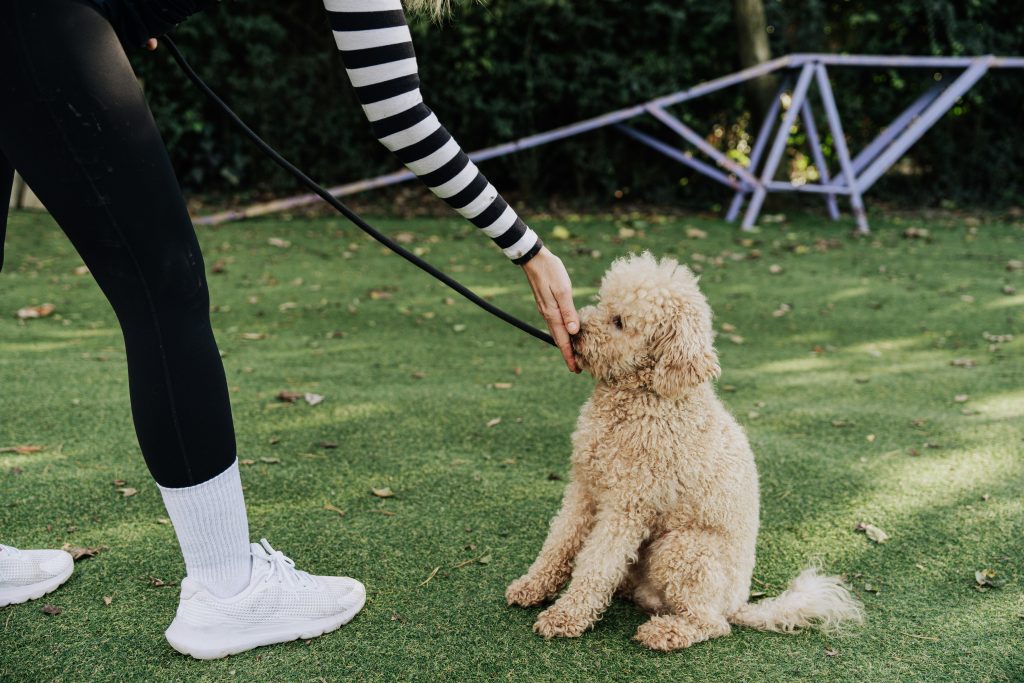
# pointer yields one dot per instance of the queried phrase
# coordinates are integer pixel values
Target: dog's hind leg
(684, 565)
(553, 565)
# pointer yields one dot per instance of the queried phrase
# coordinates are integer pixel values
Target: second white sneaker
(279, 604)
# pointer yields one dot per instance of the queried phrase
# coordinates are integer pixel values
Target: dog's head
(652, 322)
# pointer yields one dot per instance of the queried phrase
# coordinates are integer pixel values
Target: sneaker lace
(283, 567)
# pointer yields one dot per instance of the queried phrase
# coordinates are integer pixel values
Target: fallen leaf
(271, 461)
(404, 237)
(1008, 289)
(385, 492)
(502, 385)
(52, 610)
(432, 575)
(332, 508)
(916, 233)
(695, 233)
(419, 375)
(967, 298)
(459, 327)
(728, 328)
(313, 399)
(160, 583)
(873, 532)
(870, 588)
(328, 444)
(279, 243)
(107, 600)
(962, 363)
(254, 336)
(247, 462)
(289, 396)
(1014, 264)
(486, 559)
(494, 421)
(81, 270)
(377, 294)
(626, 233)
(22, 450)
(870, 438)
(775, 269)
(736, 339)
(986, 578)
(960, 398)
(997, 338)
(829, 652)
(841, 423)
(40, 311)
(77, 553)
(128, 491)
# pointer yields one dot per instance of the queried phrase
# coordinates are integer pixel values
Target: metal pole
(778, 145)
(920, 126)
(700, 143)
(839, 140)
(669, 151)
(819, 157)
(759, 143)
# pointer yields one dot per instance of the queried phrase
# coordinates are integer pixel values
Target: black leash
(344, 210)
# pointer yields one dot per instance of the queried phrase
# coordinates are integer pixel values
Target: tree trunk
(752, 34)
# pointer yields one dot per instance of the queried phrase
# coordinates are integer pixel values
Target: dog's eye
(617, 321)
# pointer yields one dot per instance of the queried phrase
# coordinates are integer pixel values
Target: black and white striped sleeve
(377, 50)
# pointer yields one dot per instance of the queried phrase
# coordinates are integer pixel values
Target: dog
(662, 501)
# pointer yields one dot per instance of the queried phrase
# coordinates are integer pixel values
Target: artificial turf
(850, 396)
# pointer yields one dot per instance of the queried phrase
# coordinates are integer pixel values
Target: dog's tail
(811, 601)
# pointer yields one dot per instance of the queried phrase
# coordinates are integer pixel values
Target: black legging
(75, 124)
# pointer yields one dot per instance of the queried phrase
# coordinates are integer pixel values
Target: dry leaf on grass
(40, 311)
(22, 450)
(695, 233)
(271, 461)
(247, 461)
(160, 583)
(873, 532)
(775, 269)
(313, 399)
(78, 553)
(254, 336)
(279, 243)
(128, 491)
(289, 396)
(107, 600)
(494, 422)
(986, 578)
(961, 398)
(332, 508)
(502, 385)
(962, 363)
(52, 610)
(385, 492)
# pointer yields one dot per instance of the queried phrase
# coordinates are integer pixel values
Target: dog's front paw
(525, 592)
(560, 622)
(664, 634)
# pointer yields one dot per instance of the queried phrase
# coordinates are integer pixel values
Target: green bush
(515, 67)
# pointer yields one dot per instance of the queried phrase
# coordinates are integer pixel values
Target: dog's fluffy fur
(662, 503)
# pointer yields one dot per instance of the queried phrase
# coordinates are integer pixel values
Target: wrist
(538, 249)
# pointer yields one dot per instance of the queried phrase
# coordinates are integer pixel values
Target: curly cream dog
(662, 504)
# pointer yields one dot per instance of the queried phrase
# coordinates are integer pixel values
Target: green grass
(873, 327)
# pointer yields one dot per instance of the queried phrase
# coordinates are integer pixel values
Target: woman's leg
(75, 124)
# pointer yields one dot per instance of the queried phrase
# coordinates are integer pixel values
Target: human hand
(552, 291)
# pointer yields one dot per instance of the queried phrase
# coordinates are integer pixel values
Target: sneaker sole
(206, 645)
(33, 591)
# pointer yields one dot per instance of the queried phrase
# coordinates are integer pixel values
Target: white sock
(213, 531)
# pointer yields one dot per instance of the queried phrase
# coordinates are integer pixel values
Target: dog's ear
(684, 355)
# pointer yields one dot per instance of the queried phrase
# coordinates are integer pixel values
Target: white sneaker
(30, 574)
(279, 604)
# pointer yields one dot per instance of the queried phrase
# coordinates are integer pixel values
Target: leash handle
(342, 208)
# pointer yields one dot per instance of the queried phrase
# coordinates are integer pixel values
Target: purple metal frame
(751, 183)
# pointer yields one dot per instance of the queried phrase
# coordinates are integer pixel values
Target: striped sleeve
(377, 50)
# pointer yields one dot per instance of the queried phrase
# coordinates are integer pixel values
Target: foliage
(514, 67)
